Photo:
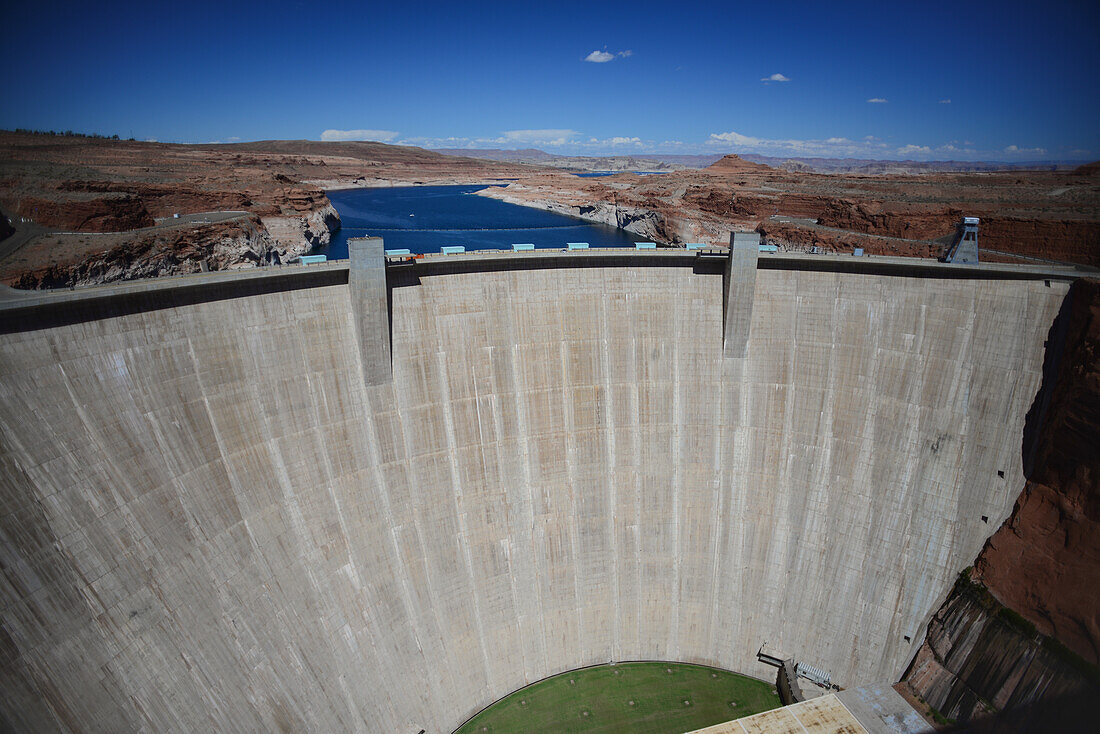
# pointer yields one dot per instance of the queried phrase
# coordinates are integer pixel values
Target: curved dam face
(209, 521)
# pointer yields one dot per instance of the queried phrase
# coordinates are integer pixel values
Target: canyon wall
(980, 658)
(1023, 628)
(242, 241)
(1045, 561)
(209, 522)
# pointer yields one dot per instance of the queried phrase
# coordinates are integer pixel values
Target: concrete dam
(276, 501)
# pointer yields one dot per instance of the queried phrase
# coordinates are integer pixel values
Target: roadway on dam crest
(210, 521)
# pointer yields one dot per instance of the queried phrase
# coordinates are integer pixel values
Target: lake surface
(424, 218)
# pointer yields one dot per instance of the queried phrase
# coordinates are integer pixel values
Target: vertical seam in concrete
(521, 420)
(786, 551)
(571, 481)
(609, 477)
(720, 437)
(738, 502)
(437, 641)
(677, 497)
(498, 432)
(460, 510)
(392, 527)
(639, 479)
(344, 529)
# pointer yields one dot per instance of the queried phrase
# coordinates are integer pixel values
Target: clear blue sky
(978, 81)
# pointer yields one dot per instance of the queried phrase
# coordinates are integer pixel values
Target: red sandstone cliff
(110, 213)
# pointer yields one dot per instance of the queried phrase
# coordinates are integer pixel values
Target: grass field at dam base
(639, 698)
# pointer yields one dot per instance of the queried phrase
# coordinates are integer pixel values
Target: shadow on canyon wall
(1015, 645)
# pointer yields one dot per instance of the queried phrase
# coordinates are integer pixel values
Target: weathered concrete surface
(882, 710)
(740, 283)
(824, 715)
(368, 293)
(871, 710)
(209, 522)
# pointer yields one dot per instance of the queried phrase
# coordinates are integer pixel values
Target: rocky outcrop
(980, 658)
(297, 235)
(1044, 562)
(736, 164)
(223, 246)
(164, 200)
(790, 236)
(752, 207)
(112, 212)
(1073, 240)
(645, 223)
(891, 219)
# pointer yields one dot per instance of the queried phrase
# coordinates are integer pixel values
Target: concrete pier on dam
(378, 498)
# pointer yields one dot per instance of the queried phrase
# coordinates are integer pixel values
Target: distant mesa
(736, 164)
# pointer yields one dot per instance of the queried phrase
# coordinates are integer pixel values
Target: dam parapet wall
(200, 493)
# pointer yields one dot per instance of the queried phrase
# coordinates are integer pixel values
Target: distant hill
(647, 162)
(669, 162)
(736, 164)
(524, 155)
(861, 165)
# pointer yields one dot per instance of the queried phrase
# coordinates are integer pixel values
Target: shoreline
(327, 185)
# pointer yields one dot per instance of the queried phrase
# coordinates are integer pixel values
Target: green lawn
(640, 698)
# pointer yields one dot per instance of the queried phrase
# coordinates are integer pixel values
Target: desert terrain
(90, 210)
(1052, 215)
(104, 210)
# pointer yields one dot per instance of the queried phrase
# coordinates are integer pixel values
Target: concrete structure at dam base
(220, 511)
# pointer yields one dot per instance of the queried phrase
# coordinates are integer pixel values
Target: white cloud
(380, 136)
(908, 150)
(877, 100)
(602, 57)
(736, 139)
(775, 78)
(565, 141)
(945, 101)
(1018, 151)
(546, 136)
(869, 147)
(834, 147)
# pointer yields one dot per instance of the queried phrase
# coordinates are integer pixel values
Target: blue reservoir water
(424, 218)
